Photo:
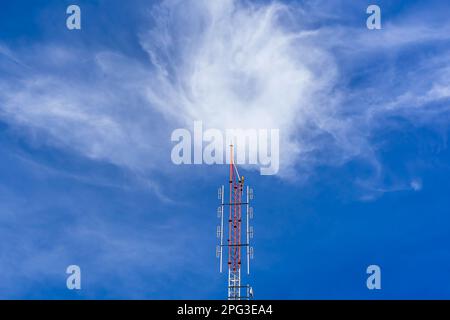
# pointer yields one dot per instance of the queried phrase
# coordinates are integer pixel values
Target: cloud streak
(231, 64)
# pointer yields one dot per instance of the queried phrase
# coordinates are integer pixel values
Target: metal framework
(236, 201)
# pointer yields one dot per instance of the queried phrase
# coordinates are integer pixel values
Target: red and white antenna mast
(235, 202)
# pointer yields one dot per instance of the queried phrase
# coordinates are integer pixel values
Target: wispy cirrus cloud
(99, 116)
(232, 64)
(332, 87)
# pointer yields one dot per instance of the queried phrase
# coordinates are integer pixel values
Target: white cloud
(238, 67)
(230, 64)
(101, 114)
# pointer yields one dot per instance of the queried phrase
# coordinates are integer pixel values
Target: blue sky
(85, 124)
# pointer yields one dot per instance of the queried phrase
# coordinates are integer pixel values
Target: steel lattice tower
(234, 242)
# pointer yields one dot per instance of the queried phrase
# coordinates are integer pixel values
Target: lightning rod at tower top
(232, 205)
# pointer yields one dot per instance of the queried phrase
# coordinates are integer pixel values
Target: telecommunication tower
(239, 197)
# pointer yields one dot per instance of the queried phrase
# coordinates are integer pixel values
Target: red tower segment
(235, 217)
